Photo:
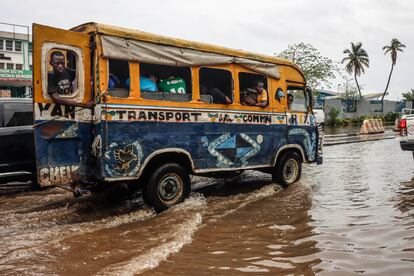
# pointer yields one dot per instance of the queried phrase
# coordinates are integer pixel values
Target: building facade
(15, 62)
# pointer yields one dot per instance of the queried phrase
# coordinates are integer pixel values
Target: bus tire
(168, 185)
(288, 169)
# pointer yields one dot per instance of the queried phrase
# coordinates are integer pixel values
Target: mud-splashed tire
(288, 170)
(167, 186)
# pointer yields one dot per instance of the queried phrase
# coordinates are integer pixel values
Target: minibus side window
(62, 76)
(298, 99)
(164, 82)
(118, 78)
(216, 86)
(253, 89)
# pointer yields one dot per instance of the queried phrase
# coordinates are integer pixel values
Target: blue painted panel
(306, 137)
(122, 147)
(63, 143)
(63, 151)
(210, 145)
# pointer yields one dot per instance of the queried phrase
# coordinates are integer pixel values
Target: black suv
(17, 152)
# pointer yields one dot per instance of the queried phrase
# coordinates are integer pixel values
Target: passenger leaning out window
(256, 96)
(60, 82)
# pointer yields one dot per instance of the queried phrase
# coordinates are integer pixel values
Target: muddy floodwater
(352, 215)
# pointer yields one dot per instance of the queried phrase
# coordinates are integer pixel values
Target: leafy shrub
(391, 116)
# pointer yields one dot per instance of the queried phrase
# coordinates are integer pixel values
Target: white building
(15, 61)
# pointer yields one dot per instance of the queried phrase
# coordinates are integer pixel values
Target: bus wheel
(288, 169)
(168, 185)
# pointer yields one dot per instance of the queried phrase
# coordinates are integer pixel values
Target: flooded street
(354, 214)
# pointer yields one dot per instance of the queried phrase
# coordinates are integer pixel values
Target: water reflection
(359, 229)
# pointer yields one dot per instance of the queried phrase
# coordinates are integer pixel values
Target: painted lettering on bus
(58, 175)
(57, 110)
(134, 115)
(265, 119)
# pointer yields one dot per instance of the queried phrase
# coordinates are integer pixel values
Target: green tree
(356, 59)
(393, 48)
(409, 96)
(316, 68)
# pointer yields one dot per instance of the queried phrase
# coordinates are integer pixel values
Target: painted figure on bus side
(60, 81)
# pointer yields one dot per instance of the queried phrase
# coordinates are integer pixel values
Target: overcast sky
(261, 26)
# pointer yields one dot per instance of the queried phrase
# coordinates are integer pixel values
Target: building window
(31, 67)
(10, 66)
(30, 47)
(19, 66)
(1, 44)
(9, 45)
(18, 46)
(2, 65)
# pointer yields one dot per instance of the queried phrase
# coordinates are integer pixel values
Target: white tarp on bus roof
(147, 52)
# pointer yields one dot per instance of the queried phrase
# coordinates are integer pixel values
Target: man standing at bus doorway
(60, 82)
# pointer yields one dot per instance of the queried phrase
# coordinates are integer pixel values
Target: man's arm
(261, 104)
(59, 100)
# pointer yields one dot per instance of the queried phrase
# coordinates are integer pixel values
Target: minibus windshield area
(297, 99)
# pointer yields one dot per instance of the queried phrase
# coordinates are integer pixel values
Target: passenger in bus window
(60, 81)
(218, 96)
(147, 82)
(262, 94)
(173, 84)
(113, 81)
(248, 96)
(256, 96)
(289, 99)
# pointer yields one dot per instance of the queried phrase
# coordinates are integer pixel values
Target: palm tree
(409, 96)
(396, 46)
(356, 60)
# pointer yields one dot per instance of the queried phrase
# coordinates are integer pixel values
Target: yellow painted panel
(281, 83)
(195, 84)
(134, 80)
(103, 74)
(292, 75)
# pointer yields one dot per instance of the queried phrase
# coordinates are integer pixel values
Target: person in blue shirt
(147, 84)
